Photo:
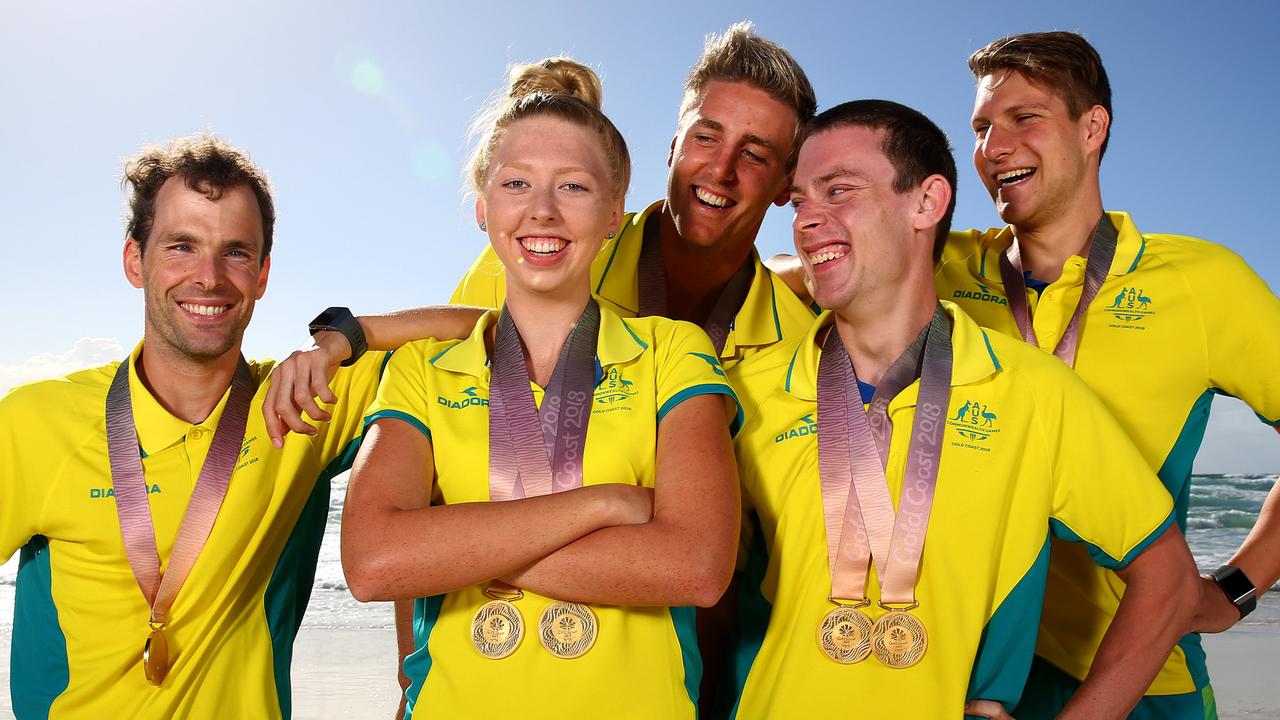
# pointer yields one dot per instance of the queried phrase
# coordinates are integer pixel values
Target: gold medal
(898, 639)
(567, 630)
(845, 635)
(497, 629)
(155, 656)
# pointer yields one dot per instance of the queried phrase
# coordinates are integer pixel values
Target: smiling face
(854, 233)
(728, 163)
(548, 202)
(202, 270)
(1036, 161)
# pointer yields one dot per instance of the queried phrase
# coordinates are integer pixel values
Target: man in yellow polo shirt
(1011, 447)
(198, 245)
(745, 101)
(1195, 318)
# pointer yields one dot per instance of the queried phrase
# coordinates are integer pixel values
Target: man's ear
(671, 152)
(935, 198)
(263, 273)
(1096, 125)
(133, 262)
(784, 196)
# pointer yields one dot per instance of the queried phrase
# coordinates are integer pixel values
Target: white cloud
(87, 352)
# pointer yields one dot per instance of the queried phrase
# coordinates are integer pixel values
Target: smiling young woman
(553, 492)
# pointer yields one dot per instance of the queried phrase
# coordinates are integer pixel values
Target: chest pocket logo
(975, 422)
(1130, 307)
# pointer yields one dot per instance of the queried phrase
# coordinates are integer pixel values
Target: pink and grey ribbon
(206, 499)
(853, 451)
(1102, 250)
(536, 451)
(652, 287)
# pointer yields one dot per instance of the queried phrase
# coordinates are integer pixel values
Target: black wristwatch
(340, 319)
(1237, 587)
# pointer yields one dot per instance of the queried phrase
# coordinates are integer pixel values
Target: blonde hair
(740, 55)
(557, 86)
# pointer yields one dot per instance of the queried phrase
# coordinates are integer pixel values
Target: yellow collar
(972, 358)
(1129, 247)
(616, 344)
(158, 429)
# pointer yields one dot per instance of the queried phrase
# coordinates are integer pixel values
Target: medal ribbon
(652, 287)
(206, 499)
(853, 450)
(536, 451)
(1102, 251)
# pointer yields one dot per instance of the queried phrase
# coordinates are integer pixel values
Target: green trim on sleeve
(705, 389)
(398, 415)
(1100, 556)
(1273, 423)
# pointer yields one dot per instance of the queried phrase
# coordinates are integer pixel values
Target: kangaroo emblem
(964, 410)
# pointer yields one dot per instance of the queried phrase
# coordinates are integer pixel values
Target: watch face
(1237, 586)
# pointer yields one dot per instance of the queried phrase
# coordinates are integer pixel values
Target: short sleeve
(1104, 493)
(403, 393)
(687, 366)
(21, 503)
(1241, 316)
(485, 284)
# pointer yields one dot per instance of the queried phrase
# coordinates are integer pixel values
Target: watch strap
(340, 320)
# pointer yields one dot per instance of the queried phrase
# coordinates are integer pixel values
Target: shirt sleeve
(485, 284)
(403, 393)
(1241, 317)
(687, 366)
(21, 502)
(1104, 493)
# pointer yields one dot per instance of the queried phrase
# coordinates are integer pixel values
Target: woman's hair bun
(555, 76)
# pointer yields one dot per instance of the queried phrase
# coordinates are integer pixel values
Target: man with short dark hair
(167, 550)
(1142, 318)
(908, 468)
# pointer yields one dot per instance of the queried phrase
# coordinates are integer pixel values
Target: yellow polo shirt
(80, 620)
(1177, 321)
(1018, 465)
(645, 663)
(770, 313)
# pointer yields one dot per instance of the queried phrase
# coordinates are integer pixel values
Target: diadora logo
(614, 389)
(975, 422)
(804, 427)
(713, 362)
(982, 294)
(469, 398)
(1131, 306)
(247, 457)
(110, 492)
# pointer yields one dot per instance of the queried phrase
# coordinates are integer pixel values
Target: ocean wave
(1224, 519)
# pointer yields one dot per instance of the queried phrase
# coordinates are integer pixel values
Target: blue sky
(359, 113)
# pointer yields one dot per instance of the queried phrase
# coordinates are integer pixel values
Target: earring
(483, 227)
(610, 236)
